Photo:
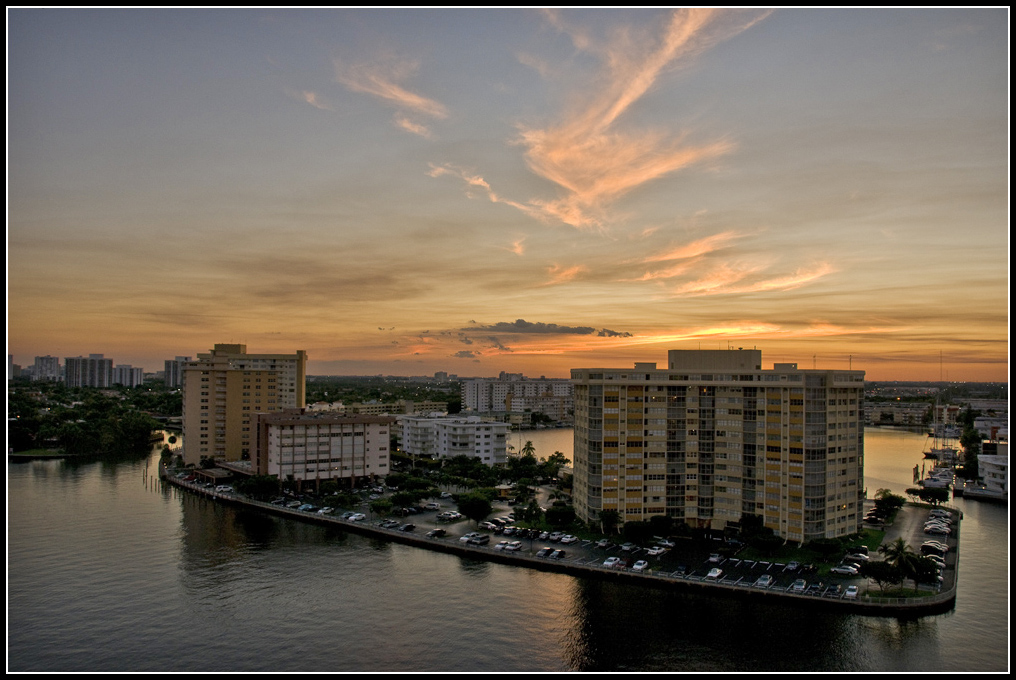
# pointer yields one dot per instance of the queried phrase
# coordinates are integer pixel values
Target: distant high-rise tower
(225, 388)
(47, 368)
(93, 371)
(174, 371)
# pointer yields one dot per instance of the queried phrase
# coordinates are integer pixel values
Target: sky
(473, 191)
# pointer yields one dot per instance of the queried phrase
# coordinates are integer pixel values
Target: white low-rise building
(441, 436)
(312, 447)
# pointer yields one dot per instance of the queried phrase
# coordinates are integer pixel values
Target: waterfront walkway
(909, 525)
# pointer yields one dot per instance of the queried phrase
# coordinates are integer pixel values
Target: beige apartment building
(224, 389)
(714, 436)
(311, 447)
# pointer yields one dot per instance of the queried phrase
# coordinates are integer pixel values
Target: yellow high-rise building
(713, 437)
(225, 388)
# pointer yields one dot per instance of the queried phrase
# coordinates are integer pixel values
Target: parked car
(792, 566)
(466, 537)
(603, 543)
(666, 544)
(844, 570)
(544, 552)
(628, 547)
(357, 517)
(641, 565)
(611, 562)
(799, 586)
(557, 555)
(851, 593)
(656, 551)
(764, 581)
(513, 546)
(326, 511)
(715, 558)
(857, 558)
(714, 574)
(433, 506)
(555, 537)
(410, 527)
(501, 545)
(568, 539)
(481, 539)
(437, 533)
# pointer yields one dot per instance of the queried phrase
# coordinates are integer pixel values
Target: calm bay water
(110, 570)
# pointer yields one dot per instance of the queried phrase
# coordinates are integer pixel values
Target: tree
(609, 520)
(883, 573)
(259, 487)
(560, 515)
(528, 449)
(933, 496)
(901, 555)
(382, 506)
(887, 503)
(476, 506)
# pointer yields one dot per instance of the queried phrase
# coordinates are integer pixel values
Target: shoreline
(913, 607)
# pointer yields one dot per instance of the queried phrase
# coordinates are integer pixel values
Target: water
(110, 570)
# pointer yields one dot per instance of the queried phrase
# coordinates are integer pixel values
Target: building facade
(449, 436)
(225, 388)
(173, 374)
(91, 371)
(128, 375)
(47, 368)
(514, 393)
(311, 447)
(713, 437)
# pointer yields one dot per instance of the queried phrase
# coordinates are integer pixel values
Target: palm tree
(529, 449)
(901, 555)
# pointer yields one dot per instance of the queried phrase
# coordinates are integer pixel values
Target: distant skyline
(473, 191)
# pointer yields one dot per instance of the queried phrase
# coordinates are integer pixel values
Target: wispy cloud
(384, 79)
(728, 279)
(309, 97)
(586, 153)
(559, 274)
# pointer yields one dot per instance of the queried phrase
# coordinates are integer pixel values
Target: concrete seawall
(915, 607)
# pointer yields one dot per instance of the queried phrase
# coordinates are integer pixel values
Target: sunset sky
(475, 191)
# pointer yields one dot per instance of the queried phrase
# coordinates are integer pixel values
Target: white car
(641, 565)
(851, 593)
(501, 545)
(658, 550)
(568, 539)
(764, 581)
(612, 562)
(513, 546)
(357, 517)
(714, 574)
(471, 535)
(844, 570)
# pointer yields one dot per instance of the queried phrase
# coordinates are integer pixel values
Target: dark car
(557, 555)
(407, 527)
(437, 533)
(544, 552)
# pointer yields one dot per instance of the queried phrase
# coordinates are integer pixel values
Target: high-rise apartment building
(713, 437)
(225, 388)
(93, 371)
(304, 446)
(512, 392)
(128, 376)
(174, 371)
(47, 368)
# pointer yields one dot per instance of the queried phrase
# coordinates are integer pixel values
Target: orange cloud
(587, 156)
(382, 80)
(560, 274)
